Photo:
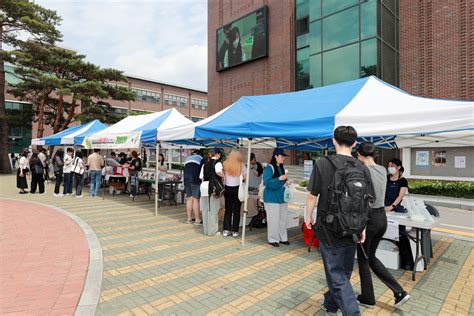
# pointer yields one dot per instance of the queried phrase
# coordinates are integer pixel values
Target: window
(315, 70)
(334, 70)
(315, 37)
(314, 10)
(341, 28)
(302, 8)
(388, 27)
(302, 69)
(390, 65)
(302, 26)
(176, 100)
(331, 6)
(196, 119)
(199, 104)
(368, 58)
(368, 19)
(147, 96)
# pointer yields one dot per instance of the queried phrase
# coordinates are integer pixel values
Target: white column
(406, 161)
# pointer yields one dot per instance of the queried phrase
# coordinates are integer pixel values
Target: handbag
(242, 190)
(216, 186)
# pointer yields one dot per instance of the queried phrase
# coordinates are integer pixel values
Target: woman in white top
(78, 169)
(21, 173)
(234, 168)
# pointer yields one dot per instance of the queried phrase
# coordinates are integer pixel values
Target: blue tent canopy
(71, 136)
(306, 119)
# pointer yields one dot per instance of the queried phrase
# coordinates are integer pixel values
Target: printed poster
(439, 158)
(308, 168)
(460, 162)
(422, 158)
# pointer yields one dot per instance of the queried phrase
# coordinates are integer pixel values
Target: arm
(218, 168)
(201, 173)
(400, 197)
(59, 162)
(311, 201)
(268, 178)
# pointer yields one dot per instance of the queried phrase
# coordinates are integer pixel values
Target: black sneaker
(285, 242)
(401, 298)
(361, 303)
(274, 244)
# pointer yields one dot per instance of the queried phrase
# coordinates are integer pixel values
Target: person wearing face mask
(397, 187)
(376, 227)
(235, 53)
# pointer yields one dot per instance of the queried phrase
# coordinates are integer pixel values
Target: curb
(93, 284)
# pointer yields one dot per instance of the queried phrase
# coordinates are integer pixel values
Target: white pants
(210, 214)
(277, 222)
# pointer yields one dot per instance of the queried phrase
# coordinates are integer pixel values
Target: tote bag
(242, 190)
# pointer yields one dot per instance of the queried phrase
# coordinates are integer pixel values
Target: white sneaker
(235, 234)
(60, 195)
(56, 195)
(79, 196)
(68, 194)
(218, 233)
(225, 233)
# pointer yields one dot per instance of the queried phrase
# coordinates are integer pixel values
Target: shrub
(304, 183)
(460, 189)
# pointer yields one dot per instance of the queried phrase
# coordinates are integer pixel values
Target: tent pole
(247, 177)
(157, 191)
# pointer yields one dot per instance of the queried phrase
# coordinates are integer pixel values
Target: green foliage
(60, 80)
(19, 16)
(304, 183)
(459, 189)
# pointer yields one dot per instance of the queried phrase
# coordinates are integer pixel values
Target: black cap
(278, 152)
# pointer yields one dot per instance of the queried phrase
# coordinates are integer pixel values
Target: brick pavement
(44, 258)
(160, 265)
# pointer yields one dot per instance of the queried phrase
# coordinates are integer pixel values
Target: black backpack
(216, 185)
(349, 195)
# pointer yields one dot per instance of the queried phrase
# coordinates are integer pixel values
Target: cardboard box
(293, 219)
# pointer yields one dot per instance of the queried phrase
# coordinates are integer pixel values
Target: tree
(58, 81)
(21, 16)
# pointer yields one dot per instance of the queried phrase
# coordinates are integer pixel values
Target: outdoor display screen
(243, 40)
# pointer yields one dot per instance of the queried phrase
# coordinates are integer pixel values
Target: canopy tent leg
(247, 177)
(157, 191)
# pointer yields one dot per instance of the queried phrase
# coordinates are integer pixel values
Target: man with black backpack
(341, 185)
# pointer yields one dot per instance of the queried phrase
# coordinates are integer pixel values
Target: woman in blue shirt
(274, 179)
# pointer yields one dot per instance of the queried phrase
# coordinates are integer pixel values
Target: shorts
(193, 190)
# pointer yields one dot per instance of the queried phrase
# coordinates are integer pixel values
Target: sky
(163, 40)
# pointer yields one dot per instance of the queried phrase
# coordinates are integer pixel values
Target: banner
(111, 141)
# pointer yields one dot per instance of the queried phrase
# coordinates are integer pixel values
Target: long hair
(60, 154)
(276, 174)
(162, 160)
(233, 164)
(367, 149)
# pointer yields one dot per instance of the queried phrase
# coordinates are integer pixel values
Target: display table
(422, 221)
(167, 189)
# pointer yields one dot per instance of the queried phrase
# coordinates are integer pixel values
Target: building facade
(424, 47)
(151, 96)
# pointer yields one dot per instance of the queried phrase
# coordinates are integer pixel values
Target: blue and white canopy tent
(306, 119)
(72, 136)
(133, 131)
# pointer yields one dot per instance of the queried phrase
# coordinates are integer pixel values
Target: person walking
(210, 203)
(67, 167)
(337, 247)
(13, 160)
(58, 163)
(78, 169)
(274, 179)
(376, 227)
(21, 173)
(37, 174)
(234, 171)
(192, 168)
(95, 162)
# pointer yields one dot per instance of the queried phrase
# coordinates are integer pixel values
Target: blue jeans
(338, 265)
(94, 188)
(67, 183)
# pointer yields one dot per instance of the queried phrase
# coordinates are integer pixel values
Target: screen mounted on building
(243, 40)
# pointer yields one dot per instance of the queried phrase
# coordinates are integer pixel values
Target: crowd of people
(70, 169)
(352, 195)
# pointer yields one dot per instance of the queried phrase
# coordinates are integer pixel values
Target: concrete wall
(449, 172)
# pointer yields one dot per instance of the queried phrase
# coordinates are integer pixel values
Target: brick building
(152, 96)
(424, 47)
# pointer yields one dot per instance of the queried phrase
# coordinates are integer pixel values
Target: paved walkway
(161, 265)
(44, 258)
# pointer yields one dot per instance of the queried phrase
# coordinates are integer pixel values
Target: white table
(422, 221)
